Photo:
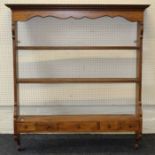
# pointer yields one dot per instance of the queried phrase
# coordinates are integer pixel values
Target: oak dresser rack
(78, 123)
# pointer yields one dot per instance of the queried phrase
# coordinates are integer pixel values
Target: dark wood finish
(77, 47)
(77, 80)
(78, 123)
(40, 7)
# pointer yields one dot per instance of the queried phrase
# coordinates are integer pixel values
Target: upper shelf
(23, 12)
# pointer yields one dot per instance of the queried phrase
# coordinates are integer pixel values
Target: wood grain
(77, 123)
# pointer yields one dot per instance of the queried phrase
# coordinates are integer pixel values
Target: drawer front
(46, 127)
(78, 126)
(25, 127)
(57, 127)
(118, 126)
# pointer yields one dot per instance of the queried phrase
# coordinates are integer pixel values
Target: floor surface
(79, 144)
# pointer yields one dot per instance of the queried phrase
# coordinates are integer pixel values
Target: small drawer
(26, 127)
(78, 126)
(118, 126)
(46, 127)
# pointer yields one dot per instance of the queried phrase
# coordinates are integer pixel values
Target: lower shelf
(77, 123)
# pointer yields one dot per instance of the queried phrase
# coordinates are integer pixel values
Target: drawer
(25, 127)
(78, 126)
(118, 126)
(46, 127)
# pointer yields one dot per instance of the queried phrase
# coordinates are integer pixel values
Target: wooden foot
(18, 142)
(138, 138)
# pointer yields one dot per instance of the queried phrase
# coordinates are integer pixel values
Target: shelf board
(77, 80)
(77, 47)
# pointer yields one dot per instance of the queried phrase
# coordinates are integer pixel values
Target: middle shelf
(77, 80)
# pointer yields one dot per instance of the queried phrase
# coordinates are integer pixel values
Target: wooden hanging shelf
(78, 123)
